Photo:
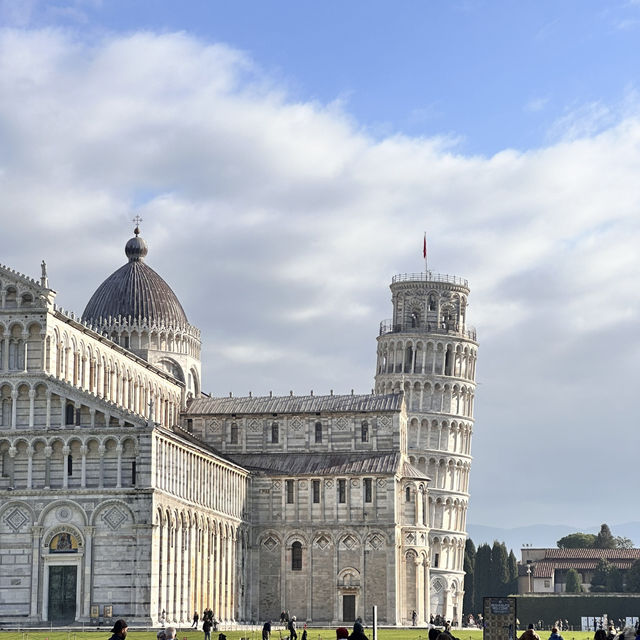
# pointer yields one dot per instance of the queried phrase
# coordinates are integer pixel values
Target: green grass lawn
(408, 633)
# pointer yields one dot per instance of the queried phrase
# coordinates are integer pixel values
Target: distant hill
(543, 535)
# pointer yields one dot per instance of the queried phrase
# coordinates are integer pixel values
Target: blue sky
(287, 157)
(491, 75)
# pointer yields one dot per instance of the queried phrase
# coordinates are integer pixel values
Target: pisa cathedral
(127, 492)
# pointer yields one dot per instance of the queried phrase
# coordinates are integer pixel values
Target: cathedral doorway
(62, 593)
(348, 608)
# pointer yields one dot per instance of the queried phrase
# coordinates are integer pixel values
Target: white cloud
(279, 225)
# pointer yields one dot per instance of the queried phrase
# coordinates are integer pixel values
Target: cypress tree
(513, 573)
(469, 577)
(573, 584)
(482, 574)
(604, 539)
(499, 569)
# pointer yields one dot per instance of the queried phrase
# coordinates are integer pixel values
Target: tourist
(304, 632)
(206, 627)
(600, 634)
(342, 633)
(161, 635)
(293, 635)
(119, 630)
(358, 632)
(529, 634)
(414, 618)
(195, 620)
(555, 635)
(170, 633)
(266, 630)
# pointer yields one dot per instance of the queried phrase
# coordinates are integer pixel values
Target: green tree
(633, 577)
(499, 569)
(604, 539)
(469, 577)
(620, 542)
(482, 572)
(573, 583)
(614, 580)
(577, 541)
(600, 580)
(513, 573)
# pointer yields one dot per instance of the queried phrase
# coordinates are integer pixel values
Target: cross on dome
(137, 220)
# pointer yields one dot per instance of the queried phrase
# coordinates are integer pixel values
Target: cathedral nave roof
(316, 464)
(296, 404)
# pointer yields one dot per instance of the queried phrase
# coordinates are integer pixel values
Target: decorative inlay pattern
(270, 543)
(63, 514)
(16, 519)
(114, 518)
(348, 542)
(322, 542)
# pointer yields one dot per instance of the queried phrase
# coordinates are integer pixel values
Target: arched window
(296, 556)
(69, 415)
(432, 302)
(275, 433)
(415, 320)
(364, 430)
(407, 494)
(318, 432)
(234, 433)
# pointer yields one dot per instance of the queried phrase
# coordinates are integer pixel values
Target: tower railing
(429, 276)
(387, 326)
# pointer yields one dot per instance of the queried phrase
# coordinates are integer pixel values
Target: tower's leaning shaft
(428, 351)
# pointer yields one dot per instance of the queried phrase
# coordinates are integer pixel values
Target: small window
(70, 416)
(342, 491)
(133, 473)
(275, 433)
(436, 560)
(547, 583)
(289, 491)
(364, 431)
(296, 556)
(234, 433)
(316, 491)
(367, 489)
(432, 302)
(69, 465)
(407, 494)
(318, 432)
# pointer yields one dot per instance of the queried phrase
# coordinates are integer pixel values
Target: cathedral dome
(137, 292)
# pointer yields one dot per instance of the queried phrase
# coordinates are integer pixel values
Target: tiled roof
(545, 568)
(592, 553)
(291, 464)
(409, 471)
(295, 404)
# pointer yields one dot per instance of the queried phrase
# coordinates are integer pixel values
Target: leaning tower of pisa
(428, 351)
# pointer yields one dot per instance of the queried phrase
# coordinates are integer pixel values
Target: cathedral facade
(127, 492)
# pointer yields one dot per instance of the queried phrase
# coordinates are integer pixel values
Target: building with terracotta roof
(545, 570)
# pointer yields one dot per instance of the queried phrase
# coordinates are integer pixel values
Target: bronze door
(62, 594)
